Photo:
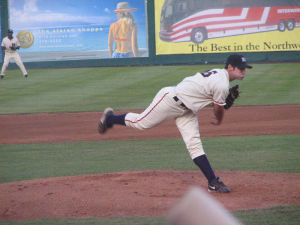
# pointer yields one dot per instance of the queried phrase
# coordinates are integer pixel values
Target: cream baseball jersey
(7, 43)
(203, 89)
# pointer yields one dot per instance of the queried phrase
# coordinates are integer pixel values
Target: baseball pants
(17, 59)
(164, 107)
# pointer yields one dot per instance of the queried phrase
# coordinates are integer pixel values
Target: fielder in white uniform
(182, 102)
(10, 45)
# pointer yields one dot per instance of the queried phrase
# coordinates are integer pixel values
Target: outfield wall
(159, 52)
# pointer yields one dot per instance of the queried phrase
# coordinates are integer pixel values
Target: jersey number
(208, 73)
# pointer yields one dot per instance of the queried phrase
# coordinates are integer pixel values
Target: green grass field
(93, 89)
(278, 153)
(288, 215)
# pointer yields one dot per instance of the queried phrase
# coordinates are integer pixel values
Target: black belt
(177, 99)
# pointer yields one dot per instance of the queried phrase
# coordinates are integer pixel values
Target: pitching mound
(143, 193)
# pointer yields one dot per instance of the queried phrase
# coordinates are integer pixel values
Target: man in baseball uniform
(182, 102)
(10, 45)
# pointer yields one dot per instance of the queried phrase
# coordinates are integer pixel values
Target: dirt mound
(142, 193)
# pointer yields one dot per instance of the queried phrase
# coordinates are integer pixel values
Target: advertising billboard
(220, 26)
(79, 29)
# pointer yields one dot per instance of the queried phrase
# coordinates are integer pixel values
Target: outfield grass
(278, 153)
(93, 89)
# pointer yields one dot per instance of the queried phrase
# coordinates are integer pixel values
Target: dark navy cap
(238, 61)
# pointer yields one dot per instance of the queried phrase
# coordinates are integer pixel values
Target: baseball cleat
(217, 185)
(1, 76)
(102, 125)
(26, 75)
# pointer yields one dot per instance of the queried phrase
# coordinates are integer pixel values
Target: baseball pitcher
(182, 102)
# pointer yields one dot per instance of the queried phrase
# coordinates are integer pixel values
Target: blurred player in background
(123, 33)
(10, 45)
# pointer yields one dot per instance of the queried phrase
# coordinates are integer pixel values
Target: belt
(177, 99)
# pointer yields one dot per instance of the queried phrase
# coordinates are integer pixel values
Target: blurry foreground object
(197, 207)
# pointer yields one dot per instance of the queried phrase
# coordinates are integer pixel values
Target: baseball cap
(10, 31)
(238, 61)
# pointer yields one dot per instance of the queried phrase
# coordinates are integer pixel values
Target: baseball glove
(14, 47)
(233, 94)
